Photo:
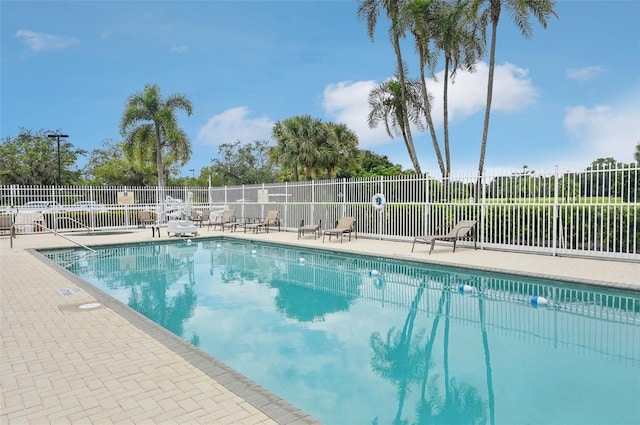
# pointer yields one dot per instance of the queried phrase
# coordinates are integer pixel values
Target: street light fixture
(57, 136)
(193, 173)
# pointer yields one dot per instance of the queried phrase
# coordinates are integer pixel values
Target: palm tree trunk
(445, 107)
(495, 16)
(427, 115)
(403, 96)
(159, 162)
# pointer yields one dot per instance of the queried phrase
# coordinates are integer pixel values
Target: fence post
(483, 207)
(344, 197)
(381, 211)
(554, 238)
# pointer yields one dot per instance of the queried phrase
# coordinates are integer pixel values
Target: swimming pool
(355, 340)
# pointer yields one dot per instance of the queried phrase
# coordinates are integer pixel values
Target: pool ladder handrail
(55, 232)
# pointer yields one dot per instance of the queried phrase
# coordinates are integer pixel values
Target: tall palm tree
(386, 105)
(370, 9)
(461, 44)
(520, 11)
(150, 128)
(418, 16)
(342, 148)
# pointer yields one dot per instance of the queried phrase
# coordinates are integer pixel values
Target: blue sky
(565, 97)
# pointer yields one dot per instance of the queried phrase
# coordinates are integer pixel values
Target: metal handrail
(55, 232)
(72, 220)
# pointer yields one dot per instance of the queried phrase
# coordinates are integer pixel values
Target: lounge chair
(200, 217)
(459, 231)
(146, 217)
(226, 220)
(344, 225)
(271, 219)
(6, 221)
(315, 228)
(181, 228)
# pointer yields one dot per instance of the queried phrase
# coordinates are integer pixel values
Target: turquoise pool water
(362, 340)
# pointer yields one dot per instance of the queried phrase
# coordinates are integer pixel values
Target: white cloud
(605, 130)
(234, 124)
(40, 42)
(584, 74)
(347, 102)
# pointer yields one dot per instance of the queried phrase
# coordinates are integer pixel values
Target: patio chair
(315, 228)
(200, 217)
(459, 231)
(6, 221)
(181, 228)
(226, 220)
(271, 219)
(344, 225)
(146, 217)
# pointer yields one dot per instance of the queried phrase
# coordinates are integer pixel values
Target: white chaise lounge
(181, 227)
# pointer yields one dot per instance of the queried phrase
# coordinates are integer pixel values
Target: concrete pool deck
(63, 364)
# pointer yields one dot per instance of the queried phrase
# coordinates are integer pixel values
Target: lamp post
(57, 136)
(193, 173)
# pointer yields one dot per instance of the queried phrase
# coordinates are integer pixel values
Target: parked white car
(88, 206)
(41, 206)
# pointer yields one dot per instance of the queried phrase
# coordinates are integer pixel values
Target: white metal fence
(588, 213)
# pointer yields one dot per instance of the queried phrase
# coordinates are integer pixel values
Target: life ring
(378, 201)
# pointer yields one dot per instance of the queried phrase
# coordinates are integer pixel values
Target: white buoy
(301, 260)
(466, 288)
(378, 282)
(218, 246)
(539, 300)
(188, 241)
(374, 272)
(254, 252)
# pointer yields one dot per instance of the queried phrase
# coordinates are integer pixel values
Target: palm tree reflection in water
(401, 360)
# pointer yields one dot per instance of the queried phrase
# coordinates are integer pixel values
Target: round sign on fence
(378, 201)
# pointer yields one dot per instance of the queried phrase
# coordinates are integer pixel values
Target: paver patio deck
(62, 364)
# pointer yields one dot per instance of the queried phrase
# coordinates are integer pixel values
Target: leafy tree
(243, 164)
(520, 11)
(636, 155)
(370, 10)
(151, 130)
(109, 165)
(31, 158)
(372, 164)
(386, 105)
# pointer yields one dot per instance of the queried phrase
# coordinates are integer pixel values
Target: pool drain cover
(71, 308)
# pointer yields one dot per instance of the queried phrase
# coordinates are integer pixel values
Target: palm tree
(150, 128)
(342, 148)
(418, 16)
(282, 154)
(636, 155)
(300, 141)
(370, 9)
(461, 45)
(519, 10)
(386, 105)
